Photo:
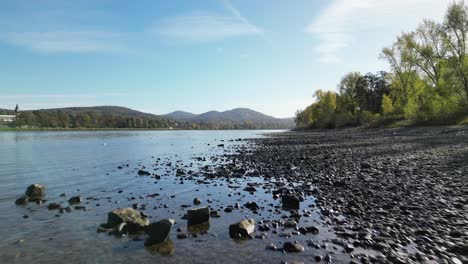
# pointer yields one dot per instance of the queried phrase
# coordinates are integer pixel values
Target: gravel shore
(399, 193)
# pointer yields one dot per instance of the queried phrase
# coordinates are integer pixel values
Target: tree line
(427, 84)
(94, 120)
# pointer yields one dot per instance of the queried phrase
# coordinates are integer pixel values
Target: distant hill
(238, 116)
(180, 115)
(103, 110)
(122, 117)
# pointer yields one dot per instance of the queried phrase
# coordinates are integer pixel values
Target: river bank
(400, 192)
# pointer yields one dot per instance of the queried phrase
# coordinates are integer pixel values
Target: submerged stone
(23, 200)
(75, 200)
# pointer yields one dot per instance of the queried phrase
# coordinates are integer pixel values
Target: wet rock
(159, 231)
(250, 189)
(197, 201)
(35, 192)
(120, 230)
(143, 173)
(75, 200)
(198, 215)
(23, 200)
(293, 247)
(182, 236)
(290, 223)
(180, 172)
(135, 220)
(243, 229)
(214, 214)
(252, 206)
(54, 206)
(271, 246)
(290, 201)
(312, 229)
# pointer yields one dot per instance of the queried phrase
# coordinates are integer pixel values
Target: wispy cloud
(205, 26)
(339, 24)
(65, 41)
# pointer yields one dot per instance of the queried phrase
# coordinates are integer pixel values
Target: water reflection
(199, 229)
(165, 248)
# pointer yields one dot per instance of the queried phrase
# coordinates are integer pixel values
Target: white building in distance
(7, 118)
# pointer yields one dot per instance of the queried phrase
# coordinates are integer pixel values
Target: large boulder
(35, 192)
(135, 220)
(159, 231)
(198, 215)
(243, 229)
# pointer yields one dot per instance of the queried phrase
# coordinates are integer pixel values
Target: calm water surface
(85, 163)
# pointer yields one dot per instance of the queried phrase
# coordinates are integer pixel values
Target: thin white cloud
(64, 41)
(206, 27)
(339, 24)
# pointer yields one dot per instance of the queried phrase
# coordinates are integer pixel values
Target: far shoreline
(6, 129)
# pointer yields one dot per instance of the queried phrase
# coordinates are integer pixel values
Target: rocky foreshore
(331, 196)
(402, 193)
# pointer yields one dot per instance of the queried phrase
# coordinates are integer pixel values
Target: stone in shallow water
(243, 229)
(23, 200)
(135, 220)
(293, 247)
(54, 206)
(35, 192)
(198, 215)
(159, 231)
(290, 201)
(75, 200)
(252, 206)
(196, 201)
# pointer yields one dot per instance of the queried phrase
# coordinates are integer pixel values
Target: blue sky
(159, 56)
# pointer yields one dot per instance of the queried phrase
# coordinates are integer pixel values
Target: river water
(86, 164)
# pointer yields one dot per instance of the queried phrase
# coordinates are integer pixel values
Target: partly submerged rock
(23, 200)
(197, 201)
(293, 247)
(75, 200)
(198, 215)
(143, 173)
(54, 206)
(35, 192)
(290, 201)
(135, 220)
(158, 231)
(243, 229)
(252, 206)
(120, 230)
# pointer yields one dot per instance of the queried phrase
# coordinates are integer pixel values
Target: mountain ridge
(237, 118)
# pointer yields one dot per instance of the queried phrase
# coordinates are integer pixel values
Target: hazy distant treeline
(91, 119)
(428, 82)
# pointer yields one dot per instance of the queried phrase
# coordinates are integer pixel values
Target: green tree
(387, 105)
